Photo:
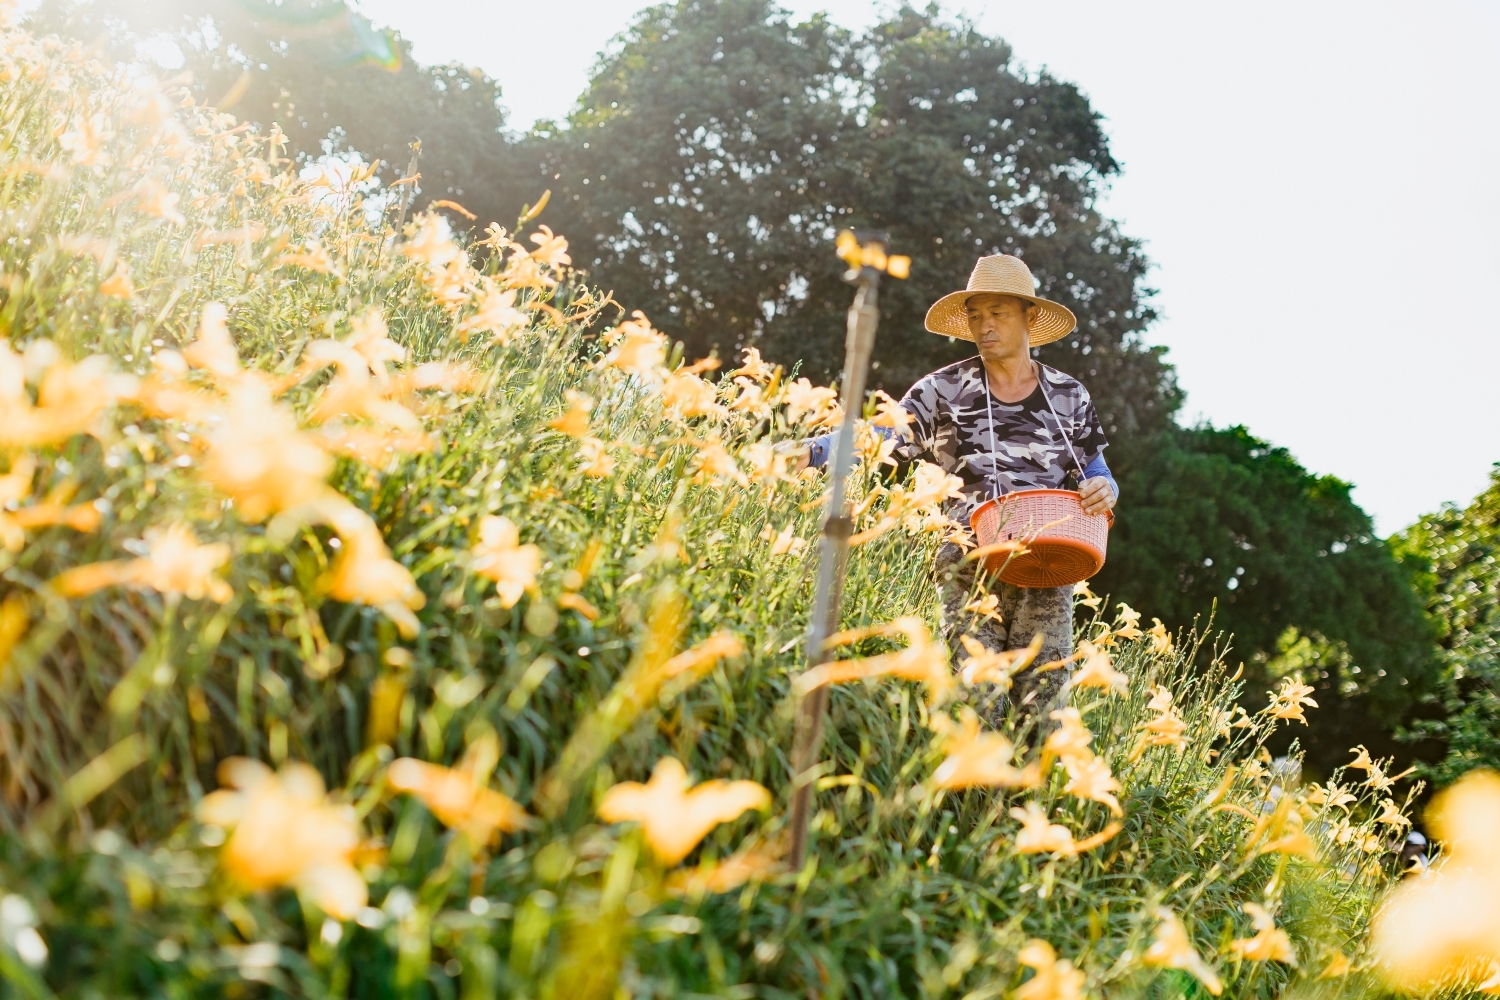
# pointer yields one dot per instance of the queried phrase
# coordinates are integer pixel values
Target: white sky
(1316, 183)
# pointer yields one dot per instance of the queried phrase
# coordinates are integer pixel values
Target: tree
(719, 149)
(1218, 521)
(332, 82)
(1454, 557)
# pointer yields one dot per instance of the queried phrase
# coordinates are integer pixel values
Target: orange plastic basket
(1063, 544)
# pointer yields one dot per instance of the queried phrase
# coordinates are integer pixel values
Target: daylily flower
(976, 758)
(1161, 642)
(752, 367)
(756, 860)
(496, 314)
(1039, 835)
(500, 556)
(313, 257)
(1097, 671)
(638, 349)
(890, 413)
(783, 541)
(1331, 796)
(1171, 948)
(922, 660)
(807, 401)
(70, 398)
(985, 607)
(364, 573)
(1071, 740)
(174, 564)
(1130, 622)
(1092, 779)
(214, 349)
(1270, 943)
(1338, 965)
(688, 395)
(982, 666)
(15, 486)
(767, 464)
(1288, 701)
(259, 456)
(1167, 728)
(597, 461)
(551, 250)
(286, 833)
(713, 461)
(673, 814)
(1391, 815)
(574, 421)
(1083, 595)
(460, 797)
(1054, 979)
(353, 392)
(371, 338)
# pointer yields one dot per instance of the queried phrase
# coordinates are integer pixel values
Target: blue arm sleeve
(820, 448)
(1098, 468)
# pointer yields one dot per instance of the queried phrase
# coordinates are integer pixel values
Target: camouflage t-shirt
(1020, 450)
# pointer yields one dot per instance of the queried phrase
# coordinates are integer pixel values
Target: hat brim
(1048, 322)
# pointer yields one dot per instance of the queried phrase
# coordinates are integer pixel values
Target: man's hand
(1097, 496)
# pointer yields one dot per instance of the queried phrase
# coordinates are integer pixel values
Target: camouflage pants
(1023, 612)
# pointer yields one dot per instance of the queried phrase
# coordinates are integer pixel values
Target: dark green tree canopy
(721, 146)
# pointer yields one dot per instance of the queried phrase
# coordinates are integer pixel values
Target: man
(1003, 422)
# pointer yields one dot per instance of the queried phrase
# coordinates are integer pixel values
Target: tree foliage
(328, 78)
(722, 145)
(1454, 557)
(1219, 519)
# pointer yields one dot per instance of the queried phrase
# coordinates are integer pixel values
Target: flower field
(370, 626)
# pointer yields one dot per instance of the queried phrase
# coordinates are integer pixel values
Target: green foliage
(118, 705)
(1454, 557)
(1221, 521)
(722, 145)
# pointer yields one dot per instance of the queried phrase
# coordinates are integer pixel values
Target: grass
(117, 705)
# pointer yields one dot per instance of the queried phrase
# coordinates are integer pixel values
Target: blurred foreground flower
(674, 818)
(460, 796)
(1054, 980)
(1270, 943)
(1097, 671)
(1038, 834)
(1443, 929)
(286, 833)
(500, 556)
(983, 666)
(174, 564)
(978, 758)
(922, 660)
(1171, 948)
(638, 349)
(365, 573)
(756, 860)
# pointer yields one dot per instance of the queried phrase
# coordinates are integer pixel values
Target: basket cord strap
(1041, 381)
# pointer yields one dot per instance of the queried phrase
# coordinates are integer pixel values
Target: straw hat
(1001, 274)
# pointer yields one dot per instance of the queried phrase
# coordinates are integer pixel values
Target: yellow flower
(70, 399)
(756, 860)
(286, 833)
(495, 314)
(985, 607)
(1130, 622)
(259, 456)
(1270, 943)
(372, 447)
(460, 797)
(551, 250)
(1161, 642)
(713, 461)
(500, 556)
(1167, 728)
(313, 257)
(674, 815)
(766, 463)
(1070, 740)
(1338, 965)
(1039, 835)
(1332, 795)
(982, 666)
(638, 349)
(807, 401)
(976, 758)
(1085, 596)
(922, 660)
(890, 413)
(1054, 979)
(1097, 671)
(1391, 815)
(753, 367)
(15, 486)
(157, 202)
(353, 392)
(370, 336)
(783, 541)
(364, 573)
(597, 461)
(214, 349)
(1444, 930)
(1288, 701)
(574, 422)
(1092, 779)
(431, 241)
(689, 396)
(174, 564)
(1172, 949)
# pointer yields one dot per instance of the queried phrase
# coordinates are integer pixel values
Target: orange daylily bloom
(259, 456)
(574, 422)
(364, 573)
(1097, 671)
(1038, 834)
(1054, 980)
(638, 349)
(1171, 948)
(976, 758)
(1167, 728)
(1130, 623)
(688, 395)
(757, 860)
(982, 666)
(551, 250)
(1071, 740)
(1270, 943)
(807, 401)
(460, 797)
(500, 556)
(922, 660)
(713, 461)
(673, 814)
(1161, 642)
(1093, 780)
(70, 398)
(1287, 702)
(597, 461)
(174, 564)
(495, 314)
(285, 832)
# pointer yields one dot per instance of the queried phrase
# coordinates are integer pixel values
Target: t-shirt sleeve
(926, 438)
(1088, 434)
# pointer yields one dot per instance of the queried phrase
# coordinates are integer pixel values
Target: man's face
(998, 323)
